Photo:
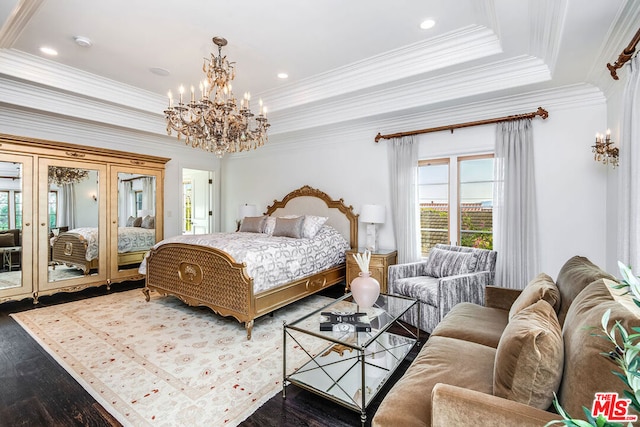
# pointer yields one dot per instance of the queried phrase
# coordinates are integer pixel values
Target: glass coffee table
(347, 363)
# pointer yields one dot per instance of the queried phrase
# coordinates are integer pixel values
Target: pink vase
(365, 290)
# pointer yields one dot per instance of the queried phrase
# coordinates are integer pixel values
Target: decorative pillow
(312, 224)
(252, 224)
(7, 240)
(541, 287)
(130, 221)
(269, 225)
(137, 222)
(288, 227)
(443, 263)
(530, 357)
(148, 222)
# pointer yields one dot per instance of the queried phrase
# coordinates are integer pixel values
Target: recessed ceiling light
(82, 41)
(48, 51)
(159, 71)
(283, 76)
(427, 23)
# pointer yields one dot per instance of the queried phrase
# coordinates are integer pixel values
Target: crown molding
(17, 20)
(563, 98)
(483, 79)
(29, 96)
(23, 66)
(547, 23)
(467, 44)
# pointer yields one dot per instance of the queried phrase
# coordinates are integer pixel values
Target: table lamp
(372, 215)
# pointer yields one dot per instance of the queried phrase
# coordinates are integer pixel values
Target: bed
(211, 277)
(79, 247)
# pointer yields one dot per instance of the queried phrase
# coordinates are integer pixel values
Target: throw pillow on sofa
(443, 263)
(530, 357)
(541, 287)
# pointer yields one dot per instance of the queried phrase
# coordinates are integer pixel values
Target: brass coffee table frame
(340, 360)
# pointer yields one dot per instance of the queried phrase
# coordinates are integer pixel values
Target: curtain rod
(626, 55)
(539, 112)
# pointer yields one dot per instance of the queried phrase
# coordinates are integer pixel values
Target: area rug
(163, 363)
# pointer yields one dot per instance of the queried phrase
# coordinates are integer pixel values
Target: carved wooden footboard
(71, 249)
(202, 276)
(205, 276)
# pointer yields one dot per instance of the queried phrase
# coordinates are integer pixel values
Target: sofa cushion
(441, 360)
(529, 357)
(7, 240)
(574, 276)
(443, 263)
(475, 323)
(586, 370)
(541, 287)
(423, 288)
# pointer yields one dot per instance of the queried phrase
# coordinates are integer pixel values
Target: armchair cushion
(541, 287)
(530, 357)
(443, 263)
(423, 288)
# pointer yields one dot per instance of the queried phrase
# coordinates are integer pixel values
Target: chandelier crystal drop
(216, 122)
(61, 176)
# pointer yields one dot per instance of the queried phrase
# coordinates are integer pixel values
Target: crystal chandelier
(60, 176)
(216, 122)
(604, 151)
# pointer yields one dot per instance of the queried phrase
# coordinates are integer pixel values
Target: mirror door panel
(16, 228)
(135, 220)
(72, 223)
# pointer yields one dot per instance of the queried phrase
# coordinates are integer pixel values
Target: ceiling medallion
(216, 122)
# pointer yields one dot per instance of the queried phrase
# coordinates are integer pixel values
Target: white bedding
(273, 261)
(130, 239)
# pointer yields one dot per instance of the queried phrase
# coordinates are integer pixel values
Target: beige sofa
(499, 364)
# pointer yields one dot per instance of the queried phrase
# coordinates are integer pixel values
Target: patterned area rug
(163, 363)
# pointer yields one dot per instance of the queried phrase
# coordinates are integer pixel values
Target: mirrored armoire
(74, 216)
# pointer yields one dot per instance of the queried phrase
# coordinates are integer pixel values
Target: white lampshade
(247, 210)
(373, 214)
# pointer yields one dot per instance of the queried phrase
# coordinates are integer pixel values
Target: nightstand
(379, 266)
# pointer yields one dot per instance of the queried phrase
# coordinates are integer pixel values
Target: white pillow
(269, 225)
(312, 224)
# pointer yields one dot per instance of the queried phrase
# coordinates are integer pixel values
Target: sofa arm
(457, 406)
(401, 271)
(503, 298)
(461, 288)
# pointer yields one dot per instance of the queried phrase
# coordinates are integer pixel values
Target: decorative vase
(365, 290)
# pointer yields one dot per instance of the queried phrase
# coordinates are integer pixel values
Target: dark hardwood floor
(36, 391)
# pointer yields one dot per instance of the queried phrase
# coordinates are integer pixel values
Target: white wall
(571, 187)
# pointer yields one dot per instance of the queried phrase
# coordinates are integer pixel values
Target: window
(17, 202)
(4, 210)
(53, 209)
(456, 191)
(138, 195)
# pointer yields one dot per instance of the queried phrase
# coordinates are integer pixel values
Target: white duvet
(273, 261)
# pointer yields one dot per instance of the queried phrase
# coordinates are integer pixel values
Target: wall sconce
(372, 215)
(604, 151)
(94, 197)
(244, 211)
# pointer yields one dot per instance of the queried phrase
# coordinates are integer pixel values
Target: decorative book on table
(341, 321)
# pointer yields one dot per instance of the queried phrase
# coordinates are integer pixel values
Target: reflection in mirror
(10, 225)
(73, 223)
(136, 218)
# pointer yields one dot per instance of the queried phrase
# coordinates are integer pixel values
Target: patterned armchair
(451, 274)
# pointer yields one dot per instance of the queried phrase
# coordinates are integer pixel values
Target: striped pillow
(443, 263)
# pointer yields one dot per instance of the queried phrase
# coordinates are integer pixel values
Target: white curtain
(148, 193)
(514, 207)
(67, 206)
(403, 173)
(629, 188)
(126, 202)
